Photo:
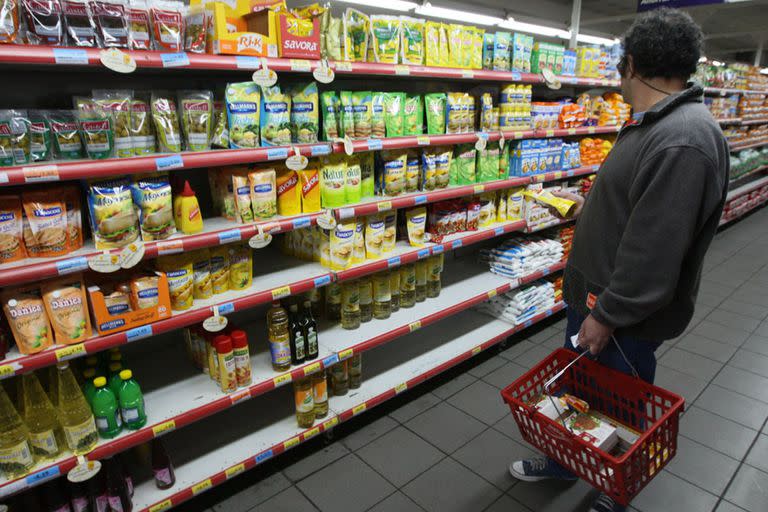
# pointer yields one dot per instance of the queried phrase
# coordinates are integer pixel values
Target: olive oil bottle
(421, 280)
(366, 299)
(350, 305)
(408, 285)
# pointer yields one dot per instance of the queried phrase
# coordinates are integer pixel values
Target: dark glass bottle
(309, 328)
(162, 467)
(55, 498)
(117, 490)
(297, 336)
(78, 497)
(98, 500)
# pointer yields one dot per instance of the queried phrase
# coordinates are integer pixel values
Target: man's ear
(630, 66)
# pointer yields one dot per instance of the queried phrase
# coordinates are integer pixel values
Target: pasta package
(361, 113)
(385, 38)
(515, 201)
(413, 115)
(356, 28)
(310, 190)
(196, 119)
(305, 116)
(168, 24)
(333, 170)
(263, 193)
(412, 40)
(331, 111)
(166, 120)
(152, 197)
(393, 177)
(342, 244)
(374, 235)
(112, 214)
(394, 107)
(67, 308)
(465, 163)
(243, 107)
(142, 130)
(288, 192)
(46, 227)
(118, 105)
(275, 122)
(11, 242)
(25, 312)
(81, 28)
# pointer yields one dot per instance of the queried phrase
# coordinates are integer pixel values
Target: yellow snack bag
(412, 40)
(444, 53)
(358, 244)
(416, 220)
(323, 251)
(219, 269)
(310, 190)
(467, 46)
(432, 43)
(478, 34)
(385, 38)
(178, 269)
(374, 235)
(288, 192)
(342, 244)
(455, 42)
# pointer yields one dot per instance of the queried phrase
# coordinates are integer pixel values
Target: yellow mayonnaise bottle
(189, 220)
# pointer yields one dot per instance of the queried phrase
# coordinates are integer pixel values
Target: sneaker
(605, 503)
(538, 469)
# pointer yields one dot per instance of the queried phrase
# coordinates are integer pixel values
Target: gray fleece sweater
(640, 241)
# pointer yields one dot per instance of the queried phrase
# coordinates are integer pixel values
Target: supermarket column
(640, 241)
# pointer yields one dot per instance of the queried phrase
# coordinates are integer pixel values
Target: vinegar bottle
(279, 338)
(45, 435)
(309, 328)
(297, 336)
(17, 458)
(131, 402)
(118, 495)
(162, 467)
(105, 410)
(75, 414)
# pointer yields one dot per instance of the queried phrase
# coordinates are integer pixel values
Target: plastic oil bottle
(340, 378)
(46, 438)
(421, 280)
(350, 305)
(408, 286)
(16, 458)
(75, 414)
(382, 295)
(434, 275)
(355, 371)
(333, 302)
(394, 288)
(366, 299)
(279, 338)
(320, 394)
(305, 404)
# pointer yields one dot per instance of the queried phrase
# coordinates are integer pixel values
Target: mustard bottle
(190, 219)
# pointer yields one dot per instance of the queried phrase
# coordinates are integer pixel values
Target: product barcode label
(423, 253)
(467, 73)
(282, 379)
(70, 352)
(457, 243)
(234, 470)
(420, 199)
(422, 140)
(550, 133)
(384, 206)
(320, 149)
(40, 173)
(226, 308)
(202, 486)
(330, 360)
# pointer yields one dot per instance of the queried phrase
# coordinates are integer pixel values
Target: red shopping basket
(645, 408)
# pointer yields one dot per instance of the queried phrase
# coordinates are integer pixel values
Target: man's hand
(579, 200)
(594, 336)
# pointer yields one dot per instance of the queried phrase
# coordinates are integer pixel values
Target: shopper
(640, 241)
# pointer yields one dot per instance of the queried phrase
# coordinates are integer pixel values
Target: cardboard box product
(594, 430)
(243, 27)
(122, 319)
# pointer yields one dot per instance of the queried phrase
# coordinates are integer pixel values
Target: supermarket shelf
(746, 189)
(68, 57)
(758, 170)
(754, 121)
(549, 224)
(739, 212)
(749, 145)
(729, 120)
(723, 91)
(201, 471)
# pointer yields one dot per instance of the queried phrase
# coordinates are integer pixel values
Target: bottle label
(242, 366)
(80, 437)
(130, 414)
(304, 401)
(115, 504)
(228, 378)
(44, 443)
(356, 364)
(320, 391)
(299, 345)
(163, 476)
(339, 371)
(103, 422)
(366, 293)
(312, 340)
(102, 503)
(15, 456)
(281, 352)
(381, 290)
(79, 504)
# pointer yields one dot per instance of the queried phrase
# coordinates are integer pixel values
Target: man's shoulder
(690, 125)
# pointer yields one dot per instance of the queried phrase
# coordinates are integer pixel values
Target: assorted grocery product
(520, 305)
(518, 256)
(730, 76)
(747, 161)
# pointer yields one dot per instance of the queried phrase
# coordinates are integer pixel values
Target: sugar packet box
(594, 430)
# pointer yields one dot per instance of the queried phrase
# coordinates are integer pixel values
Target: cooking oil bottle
(75, 414)
(434, 275)
(333, 302)
(350, 305)
(16, 458)
(394, 288)
(305, 404)
(340, 378)
(315, 297)
(46, 438)
(279, 338)
(320, 394)
(408, 285)
(421, 280)
(355, 371)
(382, 296)
(366, 299)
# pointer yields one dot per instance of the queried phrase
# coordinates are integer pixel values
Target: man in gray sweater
(634, 270)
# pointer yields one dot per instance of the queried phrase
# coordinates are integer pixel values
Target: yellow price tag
(491, 294)
(384, 206)
(202, 486)
(234, 470)
(591, 129)
(344, 354)
(241, 395)
(414, 325)
(343, 66)
(65, 353)
(477, 350)
(558, 175)
(291, 443)
(422, 140)
(479, 189)
(311, 433)
(402, 70)
(282, 379)
(6, 371)
(164, 427)
(358, 409)
(517, 135)
(159, 507)
(401, 387)
(312, 368)
(571, 131)
(300, 65)
(331, 423)
(467, 73)
(550, 133)
(279, 293)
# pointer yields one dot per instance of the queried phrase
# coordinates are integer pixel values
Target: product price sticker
(245, 62)
(311, 433)
(312, 368)
(160, 507)
(166, 163)
(467, 73)
(70, 57)
(282, 379)
(550, 133)
(383, 206)
(229, 236)
(265, 455)
(169, 247)
(343, 66)
(401, 387)
(202, 486)
(345, 354)
(234, 470)
(422, 140)
(42, 475)
(477, 350)
(414, 326)
(330, 423)
(279, 293)
(402, 70)
(40, 173)
(163, 428)
(240, 396)
(358, 409)
(174, 60)
(301, 65)
(374, 144)
(71, 265)
(478, 189)
(291, 442)
(70, 352)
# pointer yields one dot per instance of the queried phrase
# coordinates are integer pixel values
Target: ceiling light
(392, 5)
(530, 28)
(586, 38)
(452, 14)
(764, 71)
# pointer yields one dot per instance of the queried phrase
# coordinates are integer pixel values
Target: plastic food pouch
(445, 54)
(455, 47)
(435, 107)
(275, 119)
(432, 43)
(347, 119)
(454, 112)
(142, 129)
(413, 115)
(45, 22)
(263, 193)
(305, 117)
(196, 119)
(201, 274)
(333, 170)
(243, 105)
(412, 40)
(139, 29)
(390, 232)
(241, 189)
(515, 201)
(564, 207)
(240, 267)
(310, 190)
(117, 104)
(11, 241)
(67, 144)
(81, 28)
(378, 125)
(394, 106)
(356, 26)
(412, 171)
(353, 180)
(330, 104)
(416, 222)
(6, 146)
(323, 255)
(25, 312)
(465, 156)
(41, 146)
(168, 23)
(21, 143)
(96, 131)
(152, 197)
(361, 113)
(443, 165)
(181, 284)
(358, 243)
(476, 62)
(501, 51)
(220, 134)
(196, 29)
(112, 214)
(333, 38)
(111, 22)
(166, 119)
(385, 37)
(394, 172)
(288, 192)
(367, 173)
(46, 218)
(71, 197)
(488, 45)
(219, 269)
(374, 235)
(429, 169)
(145, 292)
(342, 244)
(67, 309)
(9, 21)
(504, 161)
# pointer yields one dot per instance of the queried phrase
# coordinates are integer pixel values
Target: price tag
(105, 262)
(558, 175)
(169, 247)
(160, 507)
(477, 350)
(320, 149)
(311, 433)
(301, 65)
(279, 293)
(457, 243)
(6, 371)
(264, 77)
(138, 333)
(402, 70)
(346, 213)
(131, 255)
(202, 486)
(230, 236)
(70, 352)
(498, 231)
(326, 220)
(163, 428)
(42, 475)
(40, 173)
(374, 144)
(260, 240)
(277, 153)
(420, 199)
(517, 135)
(71, 265)
(413, 326)
(245, 62)
(169, 162)
(240, 396)
(265, 455)
(234, 470)
(467, 73)
(117, 60)
(591, 129)
(174, 60)
(330, 423)
(343, 66)
(479, 189)
(282, 379)
(345, 354)
(516, 77)
(527, 324)
(297, 161)
(291, 443)
(322, 280)
(393, 262)
(491, 294)
(423, 253)
(571, 131)
(301, 222)
(312, 368)
(70, 57)
(383, 206)
(358, 409)
(323, 73)
(401, 387)
(422, 140)
(550, 133)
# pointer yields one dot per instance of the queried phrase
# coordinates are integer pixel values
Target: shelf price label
(202, 486)
(374, 144)
(591, 129)
(174, 60)
(68, 57)
(414, 326)
(402, 70)
(477, 350)
(312, 368)
(70, 352)
(234, 470)
(491, 294)
(169, 247)
(383, 206)
(240, 396)
(282, 379)
(467, 73)
(343, 66)
(478, 189)
(311, 433)
(517, 135)
(331, 423)
(40, 173)
(358, 409)
(571, 131)
(422, 140)
(291, 443)
(345, 354)
(279, 293)
(301, 65)
(550, 133)
(163, 428)
(6, 371)
(163, 505)
(401, 387)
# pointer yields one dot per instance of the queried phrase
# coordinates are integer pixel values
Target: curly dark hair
(664, 43)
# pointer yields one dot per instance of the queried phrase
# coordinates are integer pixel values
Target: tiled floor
(445, 445)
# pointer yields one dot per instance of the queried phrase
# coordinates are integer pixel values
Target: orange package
(71, 197)
(67, 309)
(26, 316)
(288, 192)
(310, 190)
(45, 229)
(11, 242)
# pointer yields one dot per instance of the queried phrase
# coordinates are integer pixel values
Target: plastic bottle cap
(126, 374)
(222, 343)
(239, 338)
(114, 367)
(100, 382)
(187, 192)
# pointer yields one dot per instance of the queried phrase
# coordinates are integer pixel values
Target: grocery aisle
(445, 445)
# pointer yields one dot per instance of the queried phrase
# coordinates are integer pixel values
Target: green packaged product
(41, 145)
(275, 117)
(378, 125)
(394, 105)
(504, 161)
(487, 165)
(353, 186)
(347, 120)
(142, 129)
(166, 119)
(333, 38)
(220, 132)
(393, 175)
(243, 101)
(385, 38)
(466, 155)
(488, 45)
(6, 148)
(196, 119)
(305, 116)
(367, 173)
(413, 115)
(329, 102)
(361, 113)
(20, 137)
(412, 40)
(356, 29)
(97, 134)
(502, 47)
(117, 104)
(443, 161)
(412, 172)
(67, 144)
(333, 169)
(435, 108)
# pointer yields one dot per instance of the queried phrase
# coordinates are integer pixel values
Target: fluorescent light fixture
(764, 71)
(452, 14)
(530, 28)
(392, 5)
(586, 38)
